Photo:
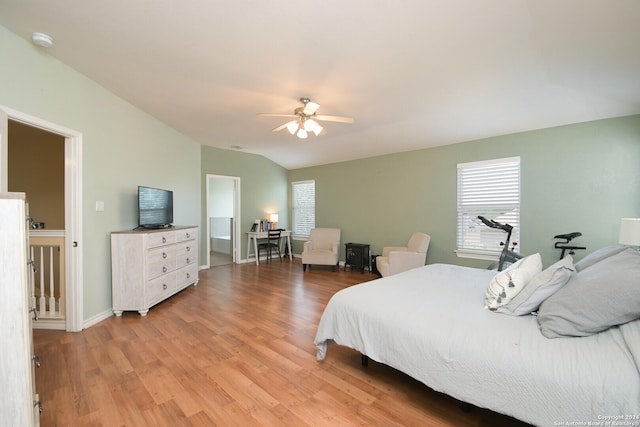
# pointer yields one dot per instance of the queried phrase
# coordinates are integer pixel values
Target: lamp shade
(630, 231)
(273, 217)
(293, 126)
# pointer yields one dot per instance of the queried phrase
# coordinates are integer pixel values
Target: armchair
(322, 248)
(395, 259)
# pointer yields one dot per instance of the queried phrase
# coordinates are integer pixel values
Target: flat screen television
(155, 207)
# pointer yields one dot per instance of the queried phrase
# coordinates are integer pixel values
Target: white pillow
(541, 287)
(508, 283)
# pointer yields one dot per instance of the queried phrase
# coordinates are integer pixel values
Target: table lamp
(274, 219)
(630, 232)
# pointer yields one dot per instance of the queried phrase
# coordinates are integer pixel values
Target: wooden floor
(237, 350)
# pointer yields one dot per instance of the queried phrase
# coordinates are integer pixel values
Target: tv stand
(149, 266)
(153, 227)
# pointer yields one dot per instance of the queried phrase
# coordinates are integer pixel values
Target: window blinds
(304, 207)
(490, 189)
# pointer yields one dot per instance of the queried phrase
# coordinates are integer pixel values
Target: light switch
(99, 206)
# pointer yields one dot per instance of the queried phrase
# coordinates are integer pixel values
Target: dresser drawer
(161, 254)
(157, 269)
(161, 288)
(186, 248)
(186, 276)
(161, 238)
(185, 259)
(188, 234)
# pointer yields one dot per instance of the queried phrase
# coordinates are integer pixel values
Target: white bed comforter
(430, 323)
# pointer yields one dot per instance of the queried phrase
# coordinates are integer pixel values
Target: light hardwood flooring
(236, 350)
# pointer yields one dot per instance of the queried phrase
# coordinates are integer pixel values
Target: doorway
(223, 212)
(72, 234)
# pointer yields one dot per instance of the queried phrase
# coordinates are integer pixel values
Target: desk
(255, 235)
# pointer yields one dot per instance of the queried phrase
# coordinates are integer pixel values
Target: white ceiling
(413, 73)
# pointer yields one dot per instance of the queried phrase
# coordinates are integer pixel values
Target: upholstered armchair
(322, 248)
(395, 259)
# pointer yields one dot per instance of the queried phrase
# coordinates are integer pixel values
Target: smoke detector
(42, 39)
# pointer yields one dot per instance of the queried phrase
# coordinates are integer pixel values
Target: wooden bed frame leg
(364, 359)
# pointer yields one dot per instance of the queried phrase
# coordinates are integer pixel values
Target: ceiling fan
(306, 120)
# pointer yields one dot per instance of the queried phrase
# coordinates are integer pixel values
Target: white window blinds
(303, 195)
(490, 189)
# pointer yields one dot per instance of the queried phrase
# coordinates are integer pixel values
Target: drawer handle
(164, 286)
(188, 276)
(188, 248)
(188, 260)
(164, 269)
(164, 255)
(164, 240)
(188, 235)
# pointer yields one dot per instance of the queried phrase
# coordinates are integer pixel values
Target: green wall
(263, 186)
(582, 177)
(122, 147)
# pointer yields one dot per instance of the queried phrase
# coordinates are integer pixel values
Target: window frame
(499, 200)
(295, 210)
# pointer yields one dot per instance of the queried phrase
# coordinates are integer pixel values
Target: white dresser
(19, 404)
(149, 266)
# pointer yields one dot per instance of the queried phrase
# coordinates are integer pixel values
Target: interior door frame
(236, 245)
(72, 204)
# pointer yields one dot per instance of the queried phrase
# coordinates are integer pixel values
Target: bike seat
(568, 236)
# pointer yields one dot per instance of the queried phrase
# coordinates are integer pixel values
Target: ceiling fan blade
(294, 126)
(280, 127)
(338, 119)
(310, 107)
(275, 115)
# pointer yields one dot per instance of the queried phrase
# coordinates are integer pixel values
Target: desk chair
(271, 243)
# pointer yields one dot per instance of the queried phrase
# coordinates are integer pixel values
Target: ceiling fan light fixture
(306, 120)
(311, 125)
(302, 134)
(292, 127)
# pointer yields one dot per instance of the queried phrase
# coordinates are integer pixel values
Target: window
(490, 189)
(303, 195)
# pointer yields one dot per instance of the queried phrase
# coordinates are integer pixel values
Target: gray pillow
(604, 295)
(541, 287)
(599, 255)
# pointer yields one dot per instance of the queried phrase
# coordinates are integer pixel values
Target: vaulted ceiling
(413, 73)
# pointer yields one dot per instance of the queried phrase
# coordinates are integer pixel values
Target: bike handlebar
(495, 224)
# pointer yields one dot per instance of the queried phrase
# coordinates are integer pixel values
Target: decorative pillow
(599, 255)
(541, 287)
(604, 295)
(508, 283)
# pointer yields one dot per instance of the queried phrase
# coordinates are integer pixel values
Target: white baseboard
(97, 319)
(56, 324)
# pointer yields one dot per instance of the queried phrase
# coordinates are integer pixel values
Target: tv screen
(155, 207)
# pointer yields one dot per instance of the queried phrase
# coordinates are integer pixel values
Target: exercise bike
(565, 246)
(508, 255)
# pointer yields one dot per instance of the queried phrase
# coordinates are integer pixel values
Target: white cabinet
(149, 266)
(19, 405)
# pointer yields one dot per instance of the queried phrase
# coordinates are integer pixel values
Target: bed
(431, 323)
